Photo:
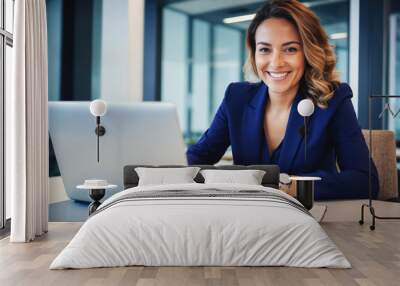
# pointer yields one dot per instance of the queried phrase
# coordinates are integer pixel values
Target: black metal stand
(100, 131)
(96, 195)
(369, 205)
(305, 193)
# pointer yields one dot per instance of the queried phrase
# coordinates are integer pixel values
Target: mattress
(201, 225)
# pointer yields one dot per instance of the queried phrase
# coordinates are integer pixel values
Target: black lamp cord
(98, 136)
(305, 137)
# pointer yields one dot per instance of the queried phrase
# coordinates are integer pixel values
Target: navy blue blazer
(333, 136)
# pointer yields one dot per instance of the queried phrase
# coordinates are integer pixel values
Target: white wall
(122, 50)
(353, 50)
(136, 46)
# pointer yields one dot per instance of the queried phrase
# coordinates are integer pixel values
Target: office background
(189, 54)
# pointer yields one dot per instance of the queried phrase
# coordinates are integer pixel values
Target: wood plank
(375, 257)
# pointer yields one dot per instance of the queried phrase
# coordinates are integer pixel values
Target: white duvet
(200, 231)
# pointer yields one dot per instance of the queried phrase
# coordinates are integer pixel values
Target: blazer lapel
(293, 138)
(253, 124)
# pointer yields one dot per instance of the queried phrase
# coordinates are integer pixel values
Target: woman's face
(279, 56)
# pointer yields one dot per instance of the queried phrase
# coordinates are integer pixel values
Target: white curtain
(27, 117)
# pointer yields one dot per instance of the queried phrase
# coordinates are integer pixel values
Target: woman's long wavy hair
(320, 78)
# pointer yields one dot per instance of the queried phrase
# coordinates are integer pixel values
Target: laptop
(136, 133)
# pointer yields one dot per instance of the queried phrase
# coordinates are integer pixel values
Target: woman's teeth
(278, 75)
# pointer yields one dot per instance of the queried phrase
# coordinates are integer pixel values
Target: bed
(197, 224)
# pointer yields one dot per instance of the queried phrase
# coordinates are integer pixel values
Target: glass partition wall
(393, 72)
(203, 50)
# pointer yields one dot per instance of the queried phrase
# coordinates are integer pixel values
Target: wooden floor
(375, 257)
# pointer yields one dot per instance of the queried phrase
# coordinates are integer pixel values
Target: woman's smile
(278, 76)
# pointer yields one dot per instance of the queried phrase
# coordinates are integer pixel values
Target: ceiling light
(239, 19)
(338, 36)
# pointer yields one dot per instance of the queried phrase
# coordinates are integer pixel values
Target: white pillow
(163, 176)
(248, 177)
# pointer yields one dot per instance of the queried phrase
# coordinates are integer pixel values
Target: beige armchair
(384, 156)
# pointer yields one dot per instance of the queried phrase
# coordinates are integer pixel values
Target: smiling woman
(279, 62)
(289, 52)
(300, 43)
